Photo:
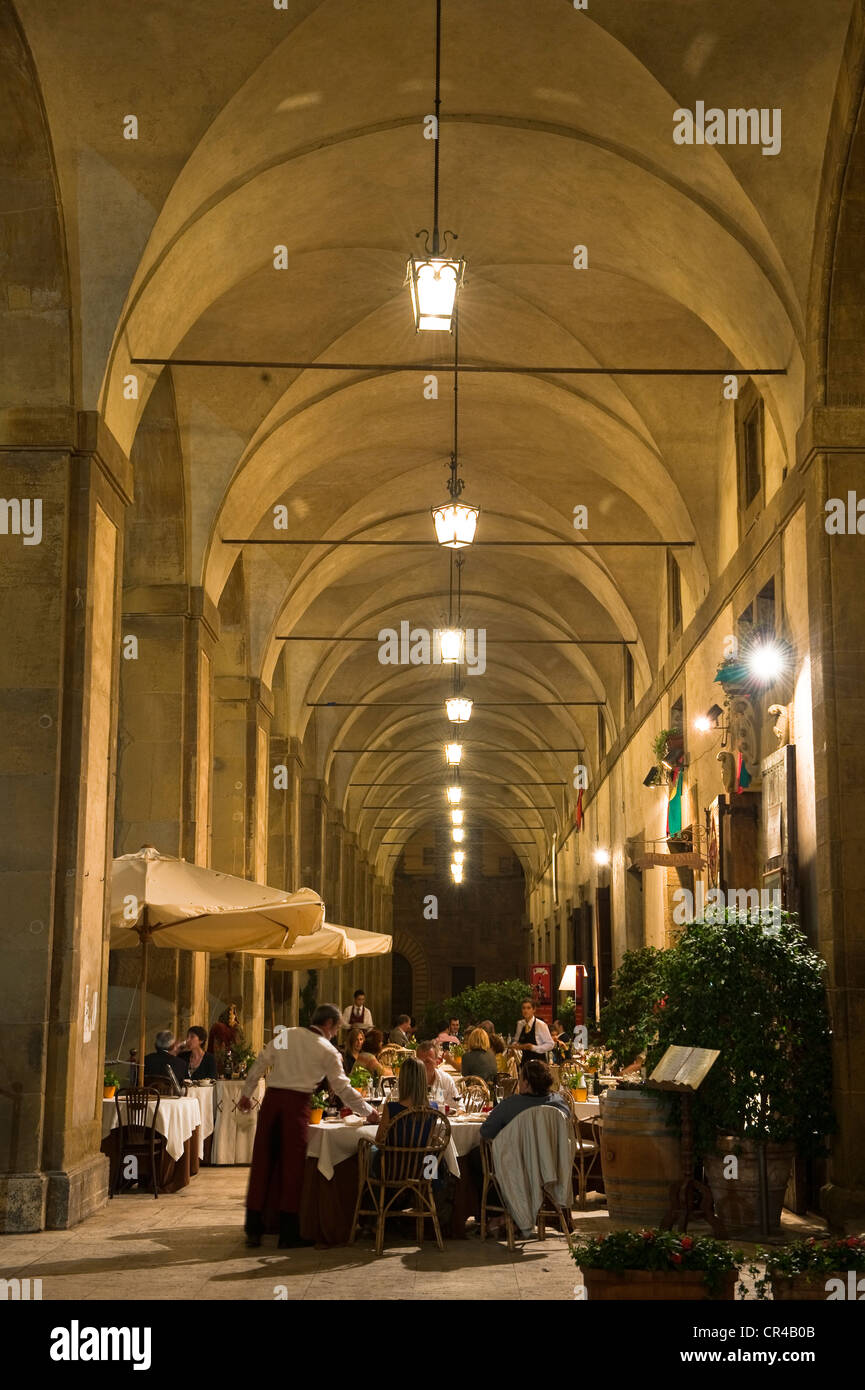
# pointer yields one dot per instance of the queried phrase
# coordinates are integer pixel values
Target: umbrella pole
(270, 994)
(229, 957)
(142, 1008)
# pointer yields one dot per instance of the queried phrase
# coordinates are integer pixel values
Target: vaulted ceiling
(303, 128)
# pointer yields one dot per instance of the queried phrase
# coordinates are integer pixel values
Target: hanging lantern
(454, 795)
(435, 282)
(455, 523)
(457, 835)
(452, 644)
(459, 856)
(453, 754)
(457, 817)
(457, 872)
(458, 709)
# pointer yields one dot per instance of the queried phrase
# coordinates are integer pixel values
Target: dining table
(331, 1176)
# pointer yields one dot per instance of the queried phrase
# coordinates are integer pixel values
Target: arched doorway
(402, 985)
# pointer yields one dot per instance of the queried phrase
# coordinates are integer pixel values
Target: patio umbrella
(159, 900)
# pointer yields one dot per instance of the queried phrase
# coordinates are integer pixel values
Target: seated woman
(412, 1094)
(202, 1065)
(368, 1056)
(535, 1087)
(478, 1058)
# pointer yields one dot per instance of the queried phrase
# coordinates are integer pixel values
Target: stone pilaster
(832, 450)
(59, 644)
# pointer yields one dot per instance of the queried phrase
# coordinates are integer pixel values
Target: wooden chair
(496, 1204)
(475, 1092)
(137, 1134)
(588, 1156)
(162, 1084)
(408, 1160)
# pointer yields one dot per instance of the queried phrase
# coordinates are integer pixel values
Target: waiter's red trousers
(279, 1153)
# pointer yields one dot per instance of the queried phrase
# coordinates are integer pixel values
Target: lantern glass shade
(459, 856)
(457, 872)
(452, 643)
(457, 834)
(434, 282)
(455, 524)
(457, 817)
(459, 709)
(454, 795)
(453, 754)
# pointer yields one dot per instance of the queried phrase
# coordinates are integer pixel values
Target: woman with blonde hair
(479, 1058)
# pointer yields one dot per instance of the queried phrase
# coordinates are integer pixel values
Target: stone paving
(190, 1245)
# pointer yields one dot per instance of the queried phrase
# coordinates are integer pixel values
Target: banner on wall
(541, 979)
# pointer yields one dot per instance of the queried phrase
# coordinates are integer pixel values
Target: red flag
(578, 813)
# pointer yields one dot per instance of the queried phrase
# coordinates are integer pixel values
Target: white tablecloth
(205, 1097)
(233, 1131)
(333, 1141)
(177, 1119)
(588, 1109)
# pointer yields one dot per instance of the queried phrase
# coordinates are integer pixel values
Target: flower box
(803, 1287)
(655, 1286)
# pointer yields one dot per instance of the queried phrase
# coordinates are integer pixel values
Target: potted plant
(455, 1056)
(751, 987)
(360, 1079)
(110, 1082)
(826, 1270)
(317, 1106)
(657, 1265)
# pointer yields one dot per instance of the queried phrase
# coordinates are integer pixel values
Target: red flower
(648, 1235)
(687, 1243)
(852, 1242)
(677, 1259)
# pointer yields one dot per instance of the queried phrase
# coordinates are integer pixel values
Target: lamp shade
(459, 856)
(434, 282)
(457, 833)
(572, 976)
(453, 754)
(455, 524)
(454, 795)
(458, 709)
(457, 816)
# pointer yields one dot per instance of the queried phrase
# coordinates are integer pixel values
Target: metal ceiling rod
(497, 369)
(336, 541)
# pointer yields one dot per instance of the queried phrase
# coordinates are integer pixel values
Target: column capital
(54, 429)
(830, 430)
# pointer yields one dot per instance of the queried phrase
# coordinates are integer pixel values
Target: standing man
(298, 1058)
(357, 1015)
(532, 1034)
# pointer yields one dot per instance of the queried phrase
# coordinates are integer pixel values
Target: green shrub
(629, 1019)
(498, 1001)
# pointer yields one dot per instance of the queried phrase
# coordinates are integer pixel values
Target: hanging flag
(578, 813)
(743, 776)
(674, 805)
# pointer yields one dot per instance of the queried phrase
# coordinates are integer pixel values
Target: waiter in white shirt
(532, 1034)
(298, 1060)
(357, 1015)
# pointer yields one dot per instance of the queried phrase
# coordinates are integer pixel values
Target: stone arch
(408, 946)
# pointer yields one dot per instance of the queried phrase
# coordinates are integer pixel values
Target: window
(749, 455)
(674, 594)
(602, 736)
(629, 680)
(429, 856)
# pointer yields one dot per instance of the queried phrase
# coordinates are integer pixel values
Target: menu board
(684, 1068)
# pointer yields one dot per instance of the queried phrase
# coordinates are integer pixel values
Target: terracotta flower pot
(108, 1092)
(315, 1117)
(655, 1286)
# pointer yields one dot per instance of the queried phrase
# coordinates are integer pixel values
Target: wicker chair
(475, 1092)
(506, 1085)
(408, 1154)
(588, 1156)
(496, 1205)
(137, 1134)
(391, 1053)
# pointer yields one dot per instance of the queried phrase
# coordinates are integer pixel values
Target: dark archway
(402, 985)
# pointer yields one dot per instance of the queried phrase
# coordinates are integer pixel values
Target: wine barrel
(640, 1156)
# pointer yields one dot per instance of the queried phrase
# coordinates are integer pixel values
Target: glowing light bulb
(454, 795)
(457, 817)
(457, 834)
(453, 754)
(602, 856)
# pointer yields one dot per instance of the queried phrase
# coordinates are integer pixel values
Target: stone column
(164, 769)
(66, 484)
(832, 451)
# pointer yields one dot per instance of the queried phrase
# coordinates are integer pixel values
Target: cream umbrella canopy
(157, 899)
(331, 945)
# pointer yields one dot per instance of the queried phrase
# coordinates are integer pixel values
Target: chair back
(475, 1093)
(506, 1085)
(162, 1084)
(135, 1113)
(391, 1053)
(410, 1137)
